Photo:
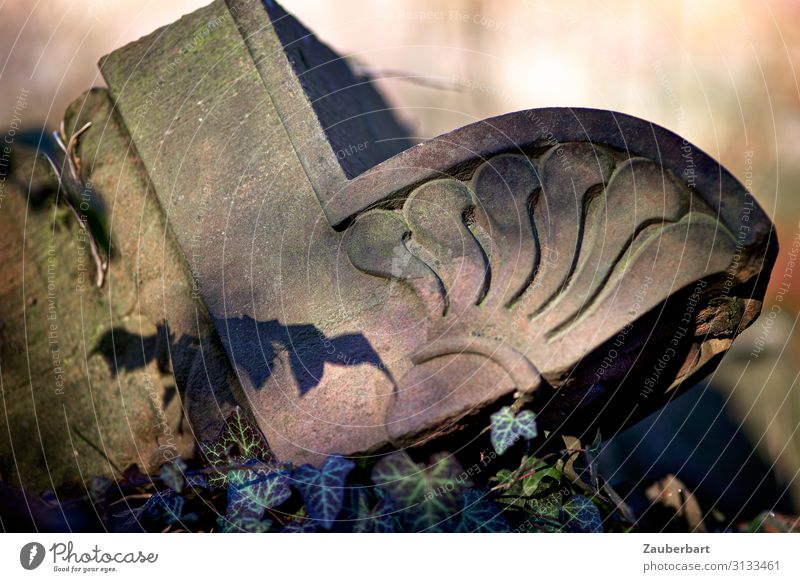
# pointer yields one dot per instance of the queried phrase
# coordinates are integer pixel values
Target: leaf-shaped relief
(436, 214)
(662, 261)
(376, 244)
(548, 254)
(640, 195)
(569, 172)
(503, 188)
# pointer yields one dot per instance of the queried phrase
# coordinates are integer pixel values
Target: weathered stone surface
(98, 379)
(586, 258)
(546, 263)
(274, 244)
(237, 156)
(143, 243)
(86, 388)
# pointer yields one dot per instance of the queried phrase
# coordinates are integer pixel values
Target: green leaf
(504, 476)
(251, 491)
(581, 515)
(368, 509)
(300, 526)
(511, 494)
(549, 506)
(426, 496)
(164, 507)
(534, 471)
(196, 480)
(544, 514)
(238, 441)
(243, 523)
(379, 518)
(534, 477)
(323, 489)
(172, 474)
(507, 429)
(480, 514)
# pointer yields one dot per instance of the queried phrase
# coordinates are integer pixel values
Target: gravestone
(367, 293)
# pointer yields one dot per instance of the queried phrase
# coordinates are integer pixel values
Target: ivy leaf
(505, 476)
(237, 441)
(243, 523)
(427, 496)
(300, 523)
(197, 480)
(164, 506)
(377, 519)
(582, 516)
(323, 489)
(535, 471)
(172, 474)
(250, 491)
(545, 513)
(549, 506)
(507, 429)
(300, 526)
(511, 493)
(532, 478)
(480, 514)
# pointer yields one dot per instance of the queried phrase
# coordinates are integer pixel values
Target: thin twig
(518, 476)
(433, 82)
(73, 166)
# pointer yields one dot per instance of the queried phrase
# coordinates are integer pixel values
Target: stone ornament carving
(533, 261)
(396, 294)
(278, 246)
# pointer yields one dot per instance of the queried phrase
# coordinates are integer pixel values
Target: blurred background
(719, 72)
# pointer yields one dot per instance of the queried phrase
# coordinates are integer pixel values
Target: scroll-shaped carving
(534, 262)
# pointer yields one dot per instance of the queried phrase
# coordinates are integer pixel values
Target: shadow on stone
(306, 347)
(126, 351)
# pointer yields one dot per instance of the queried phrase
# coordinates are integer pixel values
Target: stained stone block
(86, 382)
(234, 151)
(368, 294)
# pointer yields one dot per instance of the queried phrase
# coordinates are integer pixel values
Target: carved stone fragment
(582, 263)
